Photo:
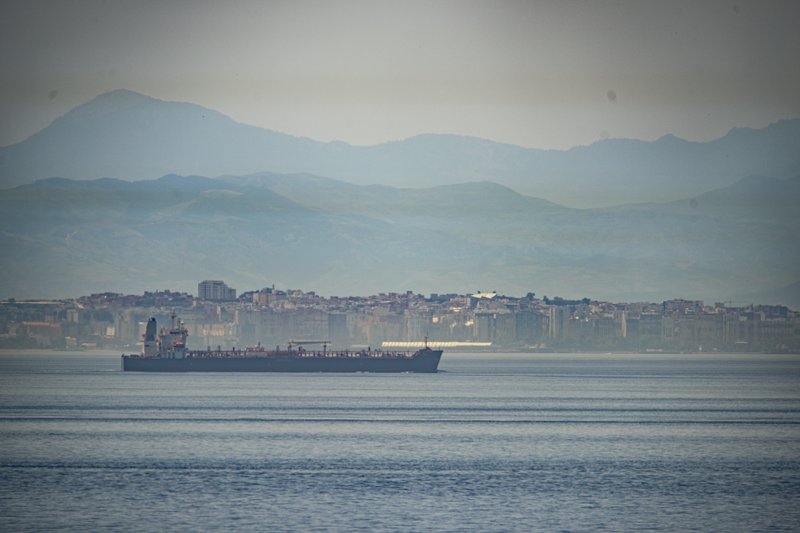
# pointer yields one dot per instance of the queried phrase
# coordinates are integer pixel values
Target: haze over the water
(537, 74)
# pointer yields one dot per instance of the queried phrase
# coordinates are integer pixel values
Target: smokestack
(150, 343)
(150, 332)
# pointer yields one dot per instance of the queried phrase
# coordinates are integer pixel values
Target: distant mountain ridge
(126, 135)
(65, 238)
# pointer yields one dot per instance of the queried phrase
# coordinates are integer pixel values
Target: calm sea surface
(493, 443)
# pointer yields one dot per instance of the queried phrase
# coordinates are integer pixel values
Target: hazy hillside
(126, 135)
(66, 238)
(130, 136)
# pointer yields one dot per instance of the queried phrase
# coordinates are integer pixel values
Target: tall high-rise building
(215, 290)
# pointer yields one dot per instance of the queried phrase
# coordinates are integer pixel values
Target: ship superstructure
(169, 343)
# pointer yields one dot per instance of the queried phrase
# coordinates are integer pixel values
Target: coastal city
(219, 317)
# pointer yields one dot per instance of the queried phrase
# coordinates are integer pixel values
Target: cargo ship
(167, 352)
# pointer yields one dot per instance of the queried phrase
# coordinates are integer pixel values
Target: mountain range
(126, 135)
(128, 193)
(63, 237)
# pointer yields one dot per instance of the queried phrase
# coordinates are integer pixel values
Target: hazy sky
(537, 74)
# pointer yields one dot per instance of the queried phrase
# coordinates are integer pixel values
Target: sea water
(494, 442)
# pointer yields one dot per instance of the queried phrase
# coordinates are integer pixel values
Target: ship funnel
(150, 332)
(150, 342)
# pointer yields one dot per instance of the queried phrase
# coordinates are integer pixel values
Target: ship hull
(426, 361)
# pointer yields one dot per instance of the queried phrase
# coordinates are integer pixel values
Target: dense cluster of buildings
(218, 318)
